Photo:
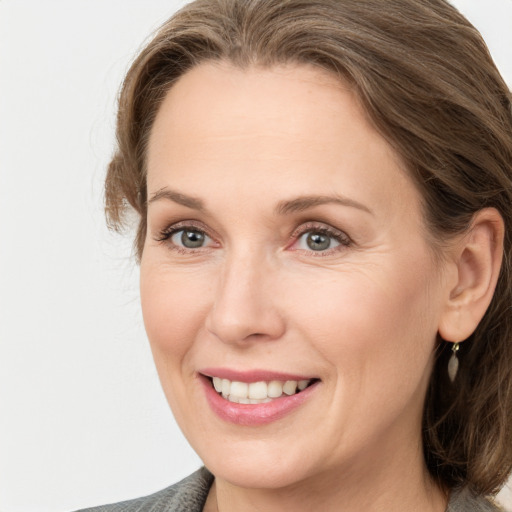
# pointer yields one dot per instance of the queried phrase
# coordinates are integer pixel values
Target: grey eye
(189, 238)
(317, 241)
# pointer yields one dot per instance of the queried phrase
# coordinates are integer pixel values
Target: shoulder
(189, 495)
(463, 500)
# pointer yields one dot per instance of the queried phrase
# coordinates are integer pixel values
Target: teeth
(257, 392)
(275, 389)
(290, 386)
(240, 390)
(303, 384)
(217, 384)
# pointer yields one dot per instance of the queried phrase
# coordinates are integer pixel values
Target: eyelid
(166, 233)
(340, 236)
(319, 226)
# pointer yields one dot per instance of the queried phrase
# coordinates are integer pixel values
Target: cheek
(380, 321)
(377, 334)
(172, 306)
(173, 315)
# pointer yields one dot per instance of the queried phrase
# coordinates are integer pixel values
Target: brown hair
(427, 82)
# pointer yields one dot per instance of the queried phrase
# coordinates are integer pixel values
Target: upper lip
(252, 375)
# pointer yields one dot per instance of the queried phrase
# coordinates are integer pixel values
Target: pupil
(192, 239)
(318, 242)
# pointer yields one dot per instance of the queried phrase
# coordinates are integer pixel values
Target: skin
(363, 316)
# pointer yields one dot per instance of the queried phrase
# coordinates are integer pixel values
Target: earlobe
(477, 260)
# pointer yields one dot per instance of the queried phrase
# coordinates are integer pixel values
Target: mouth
(255, 398)
(259, 392)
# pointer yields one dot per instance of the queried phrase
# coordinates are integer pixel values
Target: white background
(82, 418)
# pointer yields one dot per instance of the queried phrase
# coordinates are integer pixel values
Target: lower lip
(254, 414)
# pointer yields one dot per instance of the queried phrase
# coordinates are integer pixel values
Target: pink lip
(254, 414)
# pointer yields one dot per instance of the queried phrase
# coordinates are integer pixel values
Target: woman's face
(285, 243)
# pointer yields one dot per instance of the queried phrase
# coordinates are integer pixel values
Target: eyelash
(166, 234)
(339, 236)
(311, 227)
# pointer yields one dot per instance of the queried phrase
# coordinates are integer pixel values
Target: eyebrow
(303, 203)
(172, 195)
(284, 207)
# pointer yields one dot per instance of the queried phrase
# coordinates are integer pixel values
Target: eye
(185, 237)
(190, 238)
(317, 241)
(320, 239)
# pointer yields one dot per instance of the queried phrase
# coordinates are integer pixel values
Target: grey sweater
(190, 494)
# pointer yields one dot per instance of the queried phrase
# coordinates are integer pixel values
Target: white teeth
(240, 389)
(217, 384)
(303, 384)
(275, 389)
(290, 386)
(257, 392)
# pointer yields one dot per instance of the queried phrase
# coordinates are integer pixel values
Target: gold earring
(453, 363)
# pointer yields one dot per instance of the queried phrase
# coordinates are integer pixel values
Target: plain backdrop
(83, 420)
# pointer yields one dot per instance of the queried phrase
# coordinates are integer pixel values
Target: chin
(258, 474)
(258, 465)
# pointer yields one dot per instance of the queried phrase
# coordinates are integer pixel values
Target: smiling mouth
(260, 392)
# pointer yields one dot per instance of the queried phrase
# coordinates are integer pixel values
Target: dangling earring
(453, 363)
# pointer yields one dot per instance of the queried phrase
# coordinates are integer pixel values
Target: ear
(476, 259)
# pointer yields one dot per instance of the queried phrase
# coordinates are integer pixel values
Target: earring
(453, 363)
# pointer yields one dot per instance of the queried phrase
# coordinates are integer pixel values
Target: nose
(244, 308)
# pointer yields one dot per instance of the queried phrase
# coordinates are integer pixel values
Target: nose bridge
(243, 306)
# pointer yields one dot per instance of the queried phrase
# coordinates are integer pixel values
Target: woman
(324, 190)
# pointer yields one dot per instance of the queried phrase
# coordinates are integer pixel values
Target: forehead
(220, 99)
(291, 125)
